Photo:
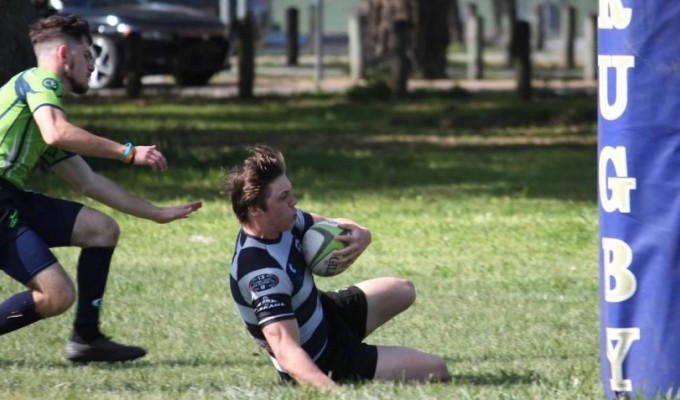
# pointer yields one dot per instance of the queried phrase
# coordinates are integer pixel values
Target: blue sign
(639, 196)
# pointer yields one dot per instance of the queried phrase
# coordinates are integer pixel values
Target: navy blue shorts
(30, 225)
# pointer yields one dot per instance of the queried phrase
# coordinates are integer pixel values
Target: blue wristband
(128, 149)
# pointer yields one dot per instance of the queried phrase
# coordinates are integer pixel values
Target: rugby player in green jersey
(34, 128)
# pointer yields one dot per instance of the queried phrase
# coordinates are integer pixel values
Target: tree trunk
(381, 17)
(433, 38)
(16, 51)
(246, 56)
(428, 37)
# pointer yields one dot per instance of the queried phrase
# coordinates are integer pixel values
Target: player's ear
(254, 211)
(62, 54)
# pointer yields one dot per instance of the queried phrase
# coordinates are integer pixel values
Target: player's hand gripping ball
(318, 244)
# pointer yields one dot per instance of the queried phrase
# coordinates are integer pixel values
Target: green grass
(486, 203)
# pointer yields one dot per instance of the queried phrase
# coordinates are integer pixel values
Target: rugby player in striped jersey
(313, 337)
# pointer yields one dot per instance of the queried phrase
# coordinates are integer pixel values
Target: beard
(76, 87)
(79, 89)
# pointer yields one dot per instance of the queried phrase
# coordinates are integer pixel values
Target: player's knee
(100, 231)
(55, 302)
(110, 232)
(407, 292)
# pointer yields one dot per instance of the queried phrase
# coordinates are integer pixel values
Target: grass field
(486, 203)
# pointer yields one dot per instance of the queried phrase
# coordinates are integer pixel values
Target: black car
(151, 38)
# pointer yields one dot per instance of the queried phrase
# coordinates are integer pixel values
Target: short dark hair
(249, 183)
(60, 26)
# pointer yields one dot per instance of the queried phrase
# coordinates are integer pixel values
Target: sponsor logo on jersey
(266, 303)
(13, 219)
(263, 282)
(50, 84)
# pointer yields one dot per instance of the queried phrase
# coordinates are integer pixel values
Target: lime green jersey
(21, 144)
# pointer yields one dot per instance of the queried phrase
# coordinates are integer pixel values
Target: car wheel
(193, 78)
(107, 63)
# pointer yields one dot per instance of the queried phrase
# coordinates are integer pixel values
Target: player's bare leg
(50, 293)
(53, 291)
(405, 364)
(385, 298)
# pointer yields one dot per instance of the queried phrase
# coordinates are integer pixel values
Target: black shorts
(347, 358)
(30, 224)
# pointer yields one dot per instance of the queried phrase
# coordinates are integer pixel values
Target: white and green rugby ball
(318, 245)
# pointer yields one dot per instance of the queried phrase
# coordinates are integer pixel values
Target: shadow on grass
(138, 364)
(501, 378)
(319, 121)
(31, 365)
(555, 172)
(430, 145)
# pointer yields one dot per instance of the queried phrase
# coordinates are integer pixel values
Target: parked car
(188, 43)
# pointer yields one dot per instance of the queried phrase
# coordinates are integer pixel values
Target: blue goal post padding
(639, 196)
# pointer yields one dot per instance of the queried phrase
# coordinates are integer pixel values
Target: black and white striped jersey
(270, 282)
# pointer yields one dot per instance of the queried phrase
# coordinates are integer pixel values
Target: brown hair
(249, 184)
(58, 27)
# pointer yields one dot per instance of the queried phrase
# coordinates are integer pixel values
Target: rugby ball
(318, 244)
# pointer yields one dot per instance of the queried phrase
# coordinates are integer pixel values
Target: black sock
(17, 312)
(86, 333)
(93, 271)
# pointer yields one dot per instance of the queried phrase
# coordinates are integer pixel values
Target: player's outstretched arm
(79, 174)
(169, 214)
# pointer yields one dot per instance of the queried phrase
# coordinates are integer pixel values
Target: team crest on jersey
(263, 282)
(50, 83)
(296, 273)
